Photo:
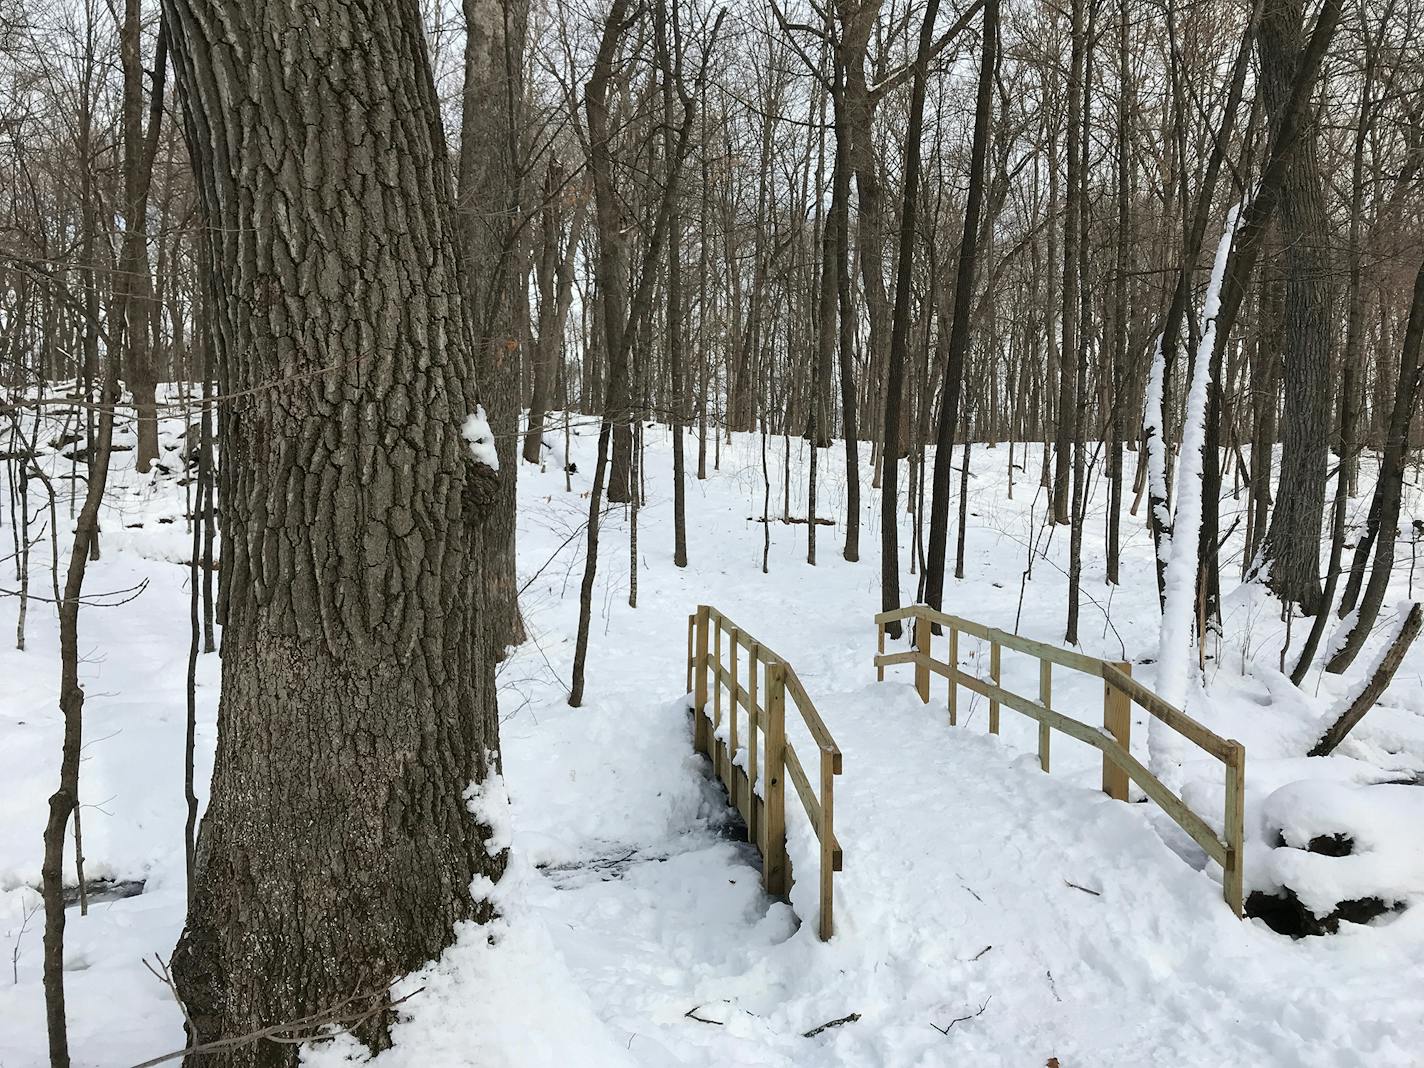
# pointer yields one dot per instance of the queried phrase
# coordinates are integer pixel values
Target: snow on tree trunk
(1176, 646)
(1153, 423)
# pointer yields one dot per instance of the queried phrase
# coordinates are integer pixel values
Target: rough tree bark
(1068, 414)
(134, 284)
(958, 346)
(900, 333)
(495, 266)
(358, 699)
(1292, 546)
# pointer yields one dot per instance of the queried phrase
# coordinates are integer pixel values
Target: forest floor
(987, 913)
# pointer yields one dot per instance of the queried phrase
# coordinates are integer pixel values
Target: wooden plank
(995, 675)
(923, 647)
(799, 779)
(691, 628)
(1233, 864)
(907, 656)
(1183, 724)
(717, 766)
(953, 674)
(1089, 665)
(773, 847)
(1117, 721)
(1170, 803)
(1121, 691)
(814, 723)
(1179, 721)
(740, 791)
(1045, 698)
(968, 626)
(754, 805)
(700, 732)
(755, 713)
(879, 651)
(735, 690)
(827, 839)
(905, 612)
(1199, 830)
(1042, 650)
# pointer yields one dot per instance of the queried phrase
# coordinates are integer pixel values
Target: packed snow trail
(1025, 917)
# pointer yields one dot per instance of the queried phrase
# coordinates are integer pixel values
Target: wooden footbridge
(744, 734)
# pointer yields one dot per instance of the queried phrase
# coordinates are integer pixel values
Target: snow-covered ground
(987, 913)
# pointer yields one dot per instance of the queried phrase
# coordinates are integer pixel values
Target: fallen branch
(1085, 890)
(960, 1019)
(1374, 686)
(691, 1014)
(793, 519)
(831, 1023)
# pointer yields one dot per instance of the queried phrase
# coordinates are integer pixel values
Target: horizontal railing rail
(1113, 740)
(754, 765)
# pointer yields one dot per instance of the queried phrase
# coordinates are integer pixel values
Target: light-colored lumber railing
(1120, 692)
(750, 752)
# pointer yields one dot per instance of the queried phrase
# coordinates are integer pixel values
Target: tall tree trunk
(900, 332)
(677, 360)
(134, 283)
(958, 345)
(358, 694)
(1068, 385)
(837, 268)
(1292, 546)
(496, 267)
(554, 278)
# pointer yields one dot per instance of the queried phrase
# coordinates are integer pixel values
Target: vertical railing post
(1117, 721)
(1045, 698)
(700, 734)
(691, 656)
(773, 844)
(879, 651)
(733, 788)
(753, 804)
(994, 675)
(953, 674)
(716, 671)
(922, 666)
(827, 836)
(1231, 876)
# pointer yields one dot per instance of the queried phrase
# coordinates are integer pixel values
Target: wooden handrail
(1121, 691)
(768, 761)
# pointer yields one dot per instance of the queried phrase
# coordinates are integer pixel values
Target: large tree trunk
(858, 19)
(1068, 415)
(957, 348)
(496, 265)
(1292, 546)
(900, 333)
(556, 297)
(835, 280)
(358, 699)
(134, 284)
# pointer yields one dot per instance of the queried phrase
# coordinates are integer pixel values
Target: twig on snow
(691, 1014)
(960, 1019)
(831, 1023)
